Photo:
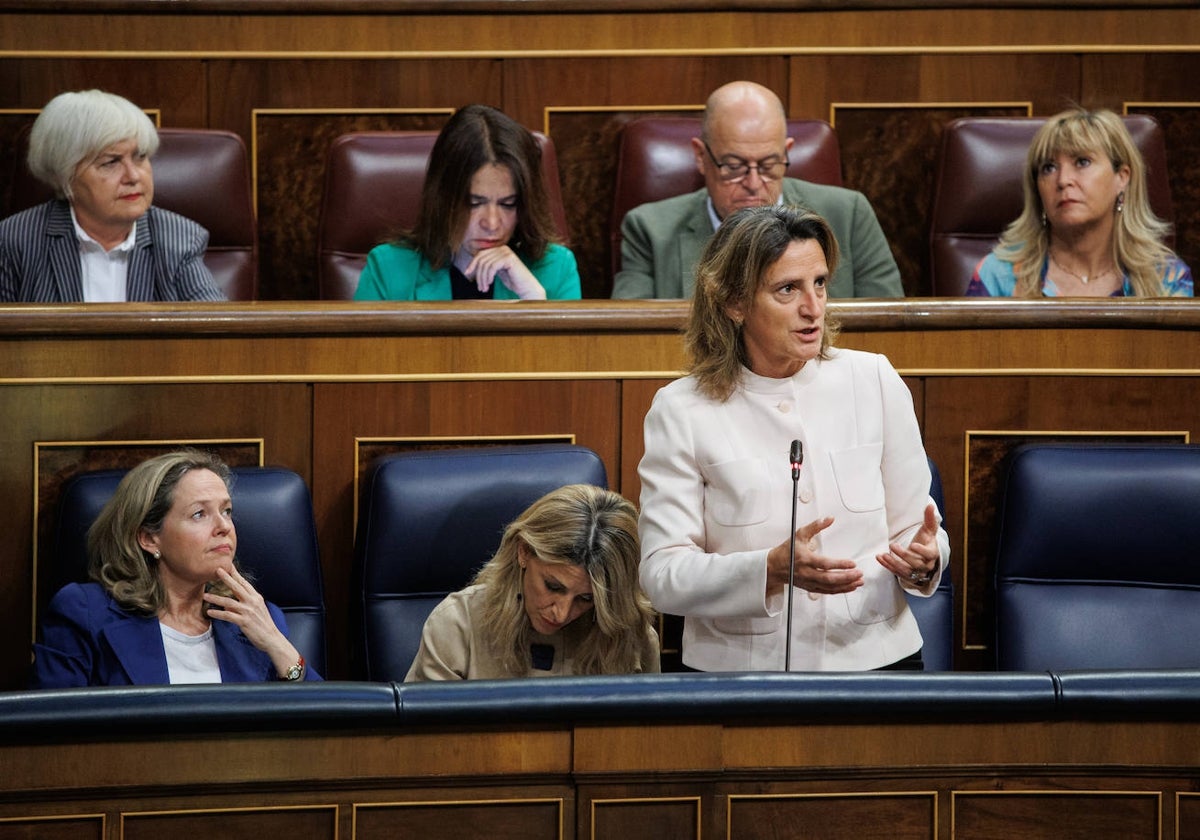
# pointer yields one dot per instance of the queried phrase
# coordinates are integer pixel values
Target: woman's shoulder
(76, 600)
(683, 390)
(461, 604)
(395, 252)
(1177, 279)
(859, 362)
(35, 218)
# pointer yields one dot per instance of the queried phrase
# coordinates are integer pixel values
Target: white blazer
(717, 494)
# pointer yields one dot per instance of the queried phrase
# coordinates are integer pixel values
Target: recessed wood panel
(314, 823)
(564, 94)
(426, 414)
(1187, 816)
(1056, 816)
(833, 817)
(889, 153)
(587, 144)
(976, 427)
(495, 819)
(89, 827)
(1181, 130)
(76, 427)
(645, 819)
(290, 150)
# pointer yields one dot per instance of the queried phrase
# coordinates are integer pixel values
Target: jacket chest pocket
(859, 481)
(736, 492)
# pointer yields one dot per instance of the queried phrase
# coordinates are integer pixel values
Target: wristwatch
(294, 673)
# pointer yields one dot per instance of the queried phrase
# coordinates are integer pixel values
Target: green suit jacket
(662, 241)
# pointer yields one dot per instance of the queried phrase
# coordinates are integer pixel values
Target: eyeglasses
(769, 169)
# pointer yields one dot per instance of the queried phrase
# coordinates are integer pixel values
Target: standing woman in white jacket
(717, 480)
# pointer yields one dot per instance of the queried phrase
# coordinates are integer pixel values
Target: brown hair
(733, 264)
(474, 137)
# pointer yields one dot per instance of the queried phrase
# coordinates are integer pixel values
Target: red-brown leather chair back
(655, 161)
(373, 182)
(978, 189)
(203, 174)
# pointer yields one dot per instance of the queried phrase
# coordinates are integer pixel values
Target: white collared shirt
(103, 273)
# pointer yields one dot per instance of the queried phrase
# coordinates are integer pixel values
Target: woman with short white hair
(99, 239)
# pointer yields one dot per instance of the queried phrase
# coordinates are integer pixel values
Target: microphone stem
(787, 650)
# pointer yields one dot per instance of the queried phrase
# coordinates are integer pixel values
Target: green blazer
(662, 241)
(396, 272)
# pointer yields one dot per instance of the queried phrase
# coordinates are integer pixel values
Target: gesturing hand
(501, 263)
(917, 564)
(814, 572)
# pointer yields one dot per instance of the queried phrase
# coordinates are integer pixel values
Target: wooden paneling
(155, 30)
(965, 778)
(240, 824)
(830, 816)
(328, 387)
(998, 815)
(500, 819)
(648, 818)
(453, 413)
(580, 74)
(52, 828)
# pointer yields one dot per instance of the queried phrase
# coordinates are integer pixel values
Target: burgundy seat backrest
(978, 189)
(655, 161)
(372, 190)
(203, 174)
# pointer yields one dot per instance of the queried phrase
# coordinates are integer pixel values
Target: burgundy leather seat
(372, 190)
(655, 161)
(978, 189)
(203, 174)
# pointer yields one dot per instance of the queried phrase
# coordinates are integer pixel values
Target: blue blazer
(87, 639)
(39, 258)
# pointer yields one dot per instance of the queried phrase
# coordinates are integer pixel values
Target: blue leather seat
(1096, 558)
(935, 614)
(277, 544)
(429, 520)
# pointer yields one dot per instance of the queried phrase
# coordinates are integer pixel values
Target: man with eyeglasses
(742, 154)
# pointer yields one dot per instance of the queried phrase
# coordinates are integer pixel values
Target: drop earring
(1121, 201)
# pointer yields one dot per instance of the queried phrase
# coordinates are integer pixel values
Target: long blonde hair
(1138, 246)
(586, 526)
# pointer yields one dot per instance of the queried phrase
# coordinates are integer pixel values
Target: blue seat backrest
(277, 544)
(429, 520)
(935, 614)
(1096, 558)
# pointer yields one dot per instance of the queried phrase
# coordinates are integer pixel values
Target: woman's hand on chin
(502, 264)
(248, 610)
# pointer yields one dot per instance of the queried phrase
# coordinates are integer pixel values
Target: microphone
(796, 458)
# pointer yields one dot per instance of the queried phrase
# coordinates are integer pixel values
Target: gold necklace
(1082, 278)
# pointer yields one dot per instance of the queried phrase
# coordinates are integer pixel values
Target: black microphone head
(797, 453)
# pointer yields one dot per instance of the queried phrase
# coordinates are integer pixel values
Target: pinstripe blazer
(39, 258)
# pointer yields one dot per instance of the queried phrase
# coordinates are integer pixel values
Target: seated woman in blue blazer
(484, 229)
(169, 604)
